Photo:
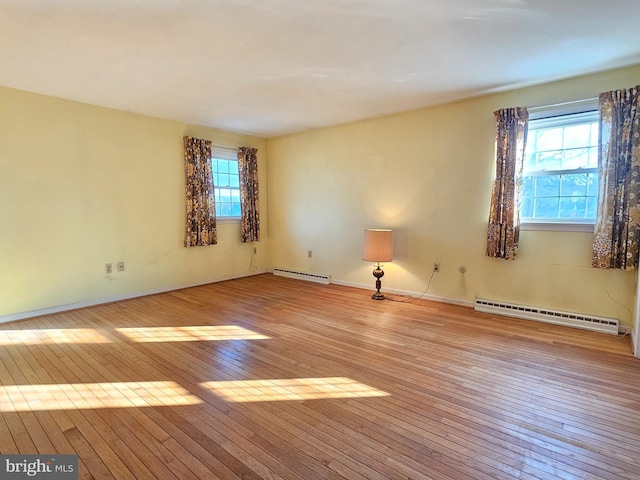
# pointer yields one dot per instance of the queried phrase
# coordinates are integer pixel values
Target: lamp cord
(410, 299)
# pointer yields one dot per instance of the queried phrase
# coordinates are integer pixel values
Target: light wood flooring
(268, 377)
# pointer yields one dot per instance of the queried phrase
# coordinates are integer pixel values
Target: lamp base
(378, 273)
(377, 296)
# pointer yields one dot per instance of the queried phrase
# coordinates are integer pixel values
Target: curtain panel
(249, 194)
(504, 217)
(201, 206)
(617, 228)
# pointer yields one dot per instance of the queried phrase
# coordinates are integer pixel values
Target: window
(226, 181)
(560, 171)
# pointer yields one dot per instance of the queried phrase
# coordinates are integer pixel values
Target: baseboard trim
(433, 298)
(12, 317)
(622, 329)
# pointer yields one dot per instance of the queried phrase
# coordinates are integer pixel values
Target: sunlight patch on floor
(51, 336)
(24, 398)
(272, 390)
(190, 333)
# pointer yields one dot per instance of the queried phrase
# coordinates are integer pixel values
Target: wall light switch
(121, 266)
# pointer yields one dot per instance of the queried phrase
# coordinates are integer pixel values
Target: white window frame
(231, 154)
(564, 114)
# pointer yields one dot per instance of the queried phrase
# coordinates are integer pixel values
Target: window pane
(235, 209)
(223, 180)
(234, 181)
(549, 139)
(530, 155)
(572, 207)
(546, 207)
(592, 207)
(225, 210)
(530, 161)
(548, 186)
(225, 195)
(216, 180)
(527, 186)
(550, 160)
(575, 158)
(593, 157)
(577, 136)
(574, 185)
(595, 128)
(592, 184)
(235, 196)
(223, 166)
(527, 207)
(216, 194)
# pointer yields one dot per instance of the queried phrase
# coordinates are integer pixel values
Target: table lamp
(378, 247)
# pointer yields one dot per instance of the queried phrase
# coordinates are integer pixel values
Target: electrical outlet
(108, 268)
(436, 266)
(310, 254)
(121, 266)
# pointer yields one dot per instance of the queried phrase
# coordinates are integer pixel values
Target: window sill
(558, 226)
(220, 220)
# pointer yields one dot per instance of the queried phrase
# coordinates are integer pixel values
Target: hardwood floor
(267, 377)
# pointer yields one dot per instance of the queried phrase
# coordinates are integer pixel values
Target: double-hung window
(226, 182)
(560, 171)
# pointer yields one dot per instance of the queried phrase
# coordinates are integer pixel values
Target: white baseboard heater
(577, 320)
(309, 277)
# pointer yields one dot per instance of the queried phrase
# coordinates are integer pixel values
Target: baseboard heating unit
(577, 320)
(309, 277)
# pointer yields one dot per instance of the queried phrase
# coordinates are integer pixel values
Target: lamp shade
(378, 245)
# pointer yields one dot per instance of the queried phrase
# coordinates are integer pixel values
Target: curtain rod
(234, 147)
(585, 101)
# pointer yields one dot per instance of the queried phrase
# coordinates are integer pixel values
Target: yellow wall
(428, 175)
(81, 186)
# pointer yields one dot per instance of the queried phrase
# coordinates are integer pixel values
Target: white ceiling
(278, 66)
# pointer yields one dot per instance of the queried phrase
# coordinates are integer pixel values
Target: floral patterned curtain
(504, 218)
(201, 205)
(249, 201)
(617, 229)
